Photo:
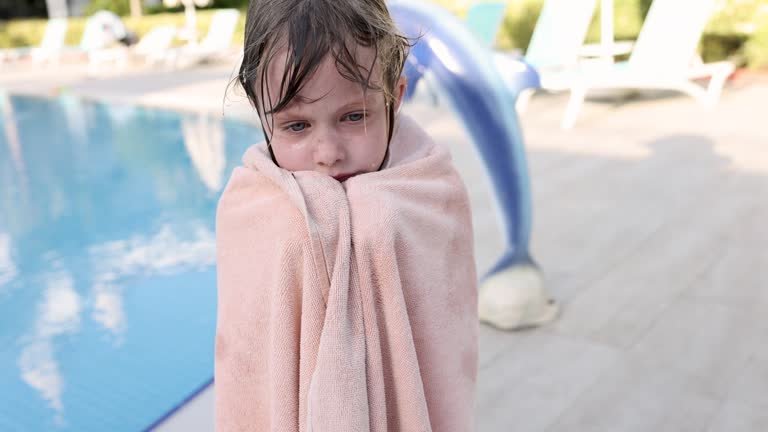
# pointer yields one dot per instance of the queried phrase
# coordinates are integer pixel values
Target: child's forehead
(365, 57)
(328, 76)
(333, 100)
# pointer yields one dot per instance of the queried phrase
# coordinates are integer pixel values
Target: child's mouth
(341, 177)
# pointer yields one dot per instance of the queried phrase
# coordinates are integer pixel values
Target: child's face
(331, 126)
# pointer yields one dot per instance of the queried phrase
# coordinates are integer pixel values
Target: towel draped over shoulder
(347, 307)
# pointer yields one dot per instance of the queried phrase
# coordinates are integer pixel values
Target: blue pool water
(107, 278)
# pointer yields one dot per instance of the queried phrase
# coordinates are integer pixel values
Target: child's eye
(355, 117)
(297, 127)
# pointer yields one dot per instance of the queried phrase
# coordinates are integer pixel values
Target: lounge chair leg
(523, 99)
(578, 94)
(695, 91)
(717, 82)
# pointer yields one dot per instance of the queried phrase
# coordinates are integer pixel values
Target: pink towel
(347, 307)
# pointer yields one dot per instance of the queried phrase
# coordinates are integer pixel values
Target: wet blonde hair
(310, 30)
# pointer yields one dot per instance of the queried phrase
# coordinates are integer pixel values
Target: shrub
(739, 30)
(756, 48)
(120, 7)
(520, 20)
(30, 32)
(123, 7)
(731, 33)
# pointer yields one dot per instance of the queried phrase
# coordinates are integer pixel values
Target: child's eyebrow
(295, 104)
(368, 100)
(300, 100)
(303, 99)
(355, 103)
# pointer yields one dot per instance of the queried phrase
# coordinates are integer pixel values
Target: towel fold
(347, 307)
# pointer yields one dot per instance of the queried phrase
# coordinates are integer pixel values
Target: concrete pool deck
(649, 224)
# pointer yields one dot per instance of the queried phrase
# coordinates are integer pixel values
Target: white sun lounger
(663, 58)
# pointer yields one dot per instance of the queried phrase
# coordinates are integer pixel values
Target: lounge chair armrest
(706, 70)
(600, 50)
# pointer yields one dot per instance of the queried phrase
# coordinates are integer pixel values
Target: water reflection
(108, 308)
(166, 252)
(12, 133)
(16, 175)
(106, 257)
(76, 118)
(8, 268)
(204, 141)
(58, 313)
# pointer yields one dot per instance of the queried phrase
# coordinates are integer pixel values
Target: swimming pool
(107, 277)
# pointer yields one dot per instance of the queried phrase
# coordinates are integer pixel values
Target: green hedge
(120, 7)
(123, 7)
(739, 31)
(756, 47)
(30, 32)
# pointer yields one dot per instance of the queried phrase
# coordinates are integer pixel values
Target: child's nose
(328, 150)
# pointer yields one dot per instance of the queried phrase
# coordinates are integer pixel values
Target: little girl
(347, 296)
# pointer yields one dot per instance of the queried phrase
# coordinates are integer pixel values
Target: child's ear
(400, 87)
